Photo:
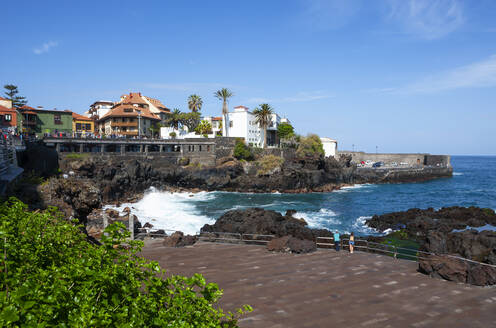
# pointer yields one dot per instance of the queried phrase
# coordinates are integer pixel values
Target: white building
(99, 109)
(215, 122)
(330, 146)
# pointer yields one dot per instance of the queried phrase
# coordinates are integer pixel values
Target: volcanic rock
(289, 244)
(178, 239)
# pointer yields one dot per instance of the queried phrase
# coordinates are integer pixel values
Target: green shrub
(172, 134)
(268, 163)
(52, 276)
(242, 151)
(285, 130)
(310, 146)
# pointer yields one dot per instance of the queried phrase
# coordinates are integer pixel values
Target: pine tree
(11, 93)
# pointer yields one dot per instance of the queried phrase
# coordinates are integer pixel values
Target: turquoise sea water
(473, 184)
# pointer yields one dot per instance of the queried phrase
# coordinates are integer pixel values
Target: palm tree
(174, 118)
(195, 103)
(263, 117)
(224, 94)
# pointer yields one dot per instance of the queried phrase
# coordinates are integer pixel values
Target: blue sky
(402, 75)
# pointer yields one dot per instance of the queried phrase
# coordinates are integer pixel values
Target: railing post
(131, 225)
(395, 252)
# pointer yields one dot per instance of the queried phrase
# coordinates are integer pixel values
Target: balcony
(28, 122)
(124, 124)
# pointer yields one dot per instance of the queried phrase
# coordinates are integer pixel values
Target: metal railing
(239, 238)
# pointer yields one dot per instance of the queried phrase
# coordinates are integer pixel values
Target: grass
(76, 156)
(268, 163)
(400, 239)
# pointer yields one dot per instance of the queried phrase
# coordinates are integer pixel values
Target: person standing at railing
(352, 242)
(336, 240)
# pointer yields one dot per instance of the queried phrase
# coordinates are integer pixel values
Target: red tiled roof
(29, 112)
(1, 98)
(26, 107)
(80, 117)
(119, 111)
(133, 98)
(216, 118)
(6, 109)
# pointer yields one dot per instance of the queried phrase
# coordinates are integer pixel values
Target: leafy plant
(195, 103)
(242, 151)
(204, 128)
(51, 275)
(285, 130)
(172, 134)
(310, 146)
(263, 116)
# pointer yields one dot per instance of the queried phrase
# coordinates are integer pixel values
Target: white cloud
(428, 19)
(476, 75)
(298, 97)
(45, 47)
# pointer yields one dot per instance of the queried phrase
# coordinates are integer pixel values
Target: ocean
(473, 184)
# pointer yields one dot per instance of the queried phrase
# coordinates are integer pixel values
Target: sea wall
(408, 160)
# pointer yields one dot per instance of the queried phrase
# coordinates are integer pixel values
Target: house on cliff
(132, 116)
(8, 116)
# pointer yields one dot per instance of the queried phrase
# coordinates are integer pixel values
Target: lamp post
(139, 123)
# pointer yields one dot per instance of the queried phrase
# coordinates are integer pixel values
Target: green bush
(268, 163)
(242, 151)
(76, 156)
(310, 146)
(52, 276)
(285, 130)
(172, 134)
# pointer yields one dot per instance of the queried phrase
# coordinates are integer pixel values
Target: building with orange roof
(8, 116)
(131, 116)
(82, 125)
(37, 121)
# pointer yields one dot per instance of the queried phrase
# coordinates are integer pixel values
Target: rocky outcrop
(418, 222)
(445, 234)
(263, 222)
(178, 239)
(95, 221)
(290, 244)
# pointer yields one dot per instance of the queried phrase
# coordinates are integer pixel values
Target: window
(8, 117)
(57, 119)
(78, 126)
(128, 110)
(231, 124)
(87, 127)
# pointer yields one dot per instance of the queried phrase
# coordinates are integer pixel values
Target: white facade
(180, 134)
(242, 124)
(215, 122)
(330, 146)
(99, 108)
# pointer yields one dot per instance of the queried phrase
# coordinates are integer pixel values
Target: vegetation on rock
(53, 276)
(242, 151)
(285, 131)
(268, 164)
(310, 146)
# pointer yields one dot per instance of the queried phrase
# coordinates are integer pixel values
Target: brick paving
(328, 288)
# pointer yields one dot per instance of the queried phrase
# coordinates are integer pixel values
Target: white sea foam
(355, 186)
(170, 211)
(457, 173)
(318, 219)
(361, 226)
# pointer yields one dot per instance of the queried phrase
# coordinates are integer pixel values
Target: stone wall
(408, 160)
(224, 146)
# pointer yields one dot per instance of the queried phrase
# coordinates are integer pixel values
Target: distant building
(99, 109)
(41, 121)
(130, 117)
(215, 122)
(330, 146)
(8, 116)
(82, 125)
(242, 124)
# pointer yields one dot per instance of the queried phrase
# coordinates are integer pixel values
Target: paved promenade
(329, 289)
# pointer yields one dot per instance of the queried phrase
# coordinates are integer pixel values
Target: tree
(11, 93)
(155, 129)
(53, 276)
(174, 119)
(195, 103)
(242, 151)
(224, 94)
(263, 117)
(285, 131)
(204, 128)
(190, 120)
(310, 146)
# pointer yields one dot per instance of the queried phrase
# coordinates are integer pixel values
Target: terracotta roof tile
(122, 110)
(133, 98)
(80, 117)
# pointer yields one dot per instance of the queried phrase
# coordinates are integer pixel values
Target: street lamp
(139, 123)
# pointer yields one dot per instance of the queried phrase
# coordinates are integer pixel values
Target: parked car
(368, 162)
(394, 164)
(378, 164)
